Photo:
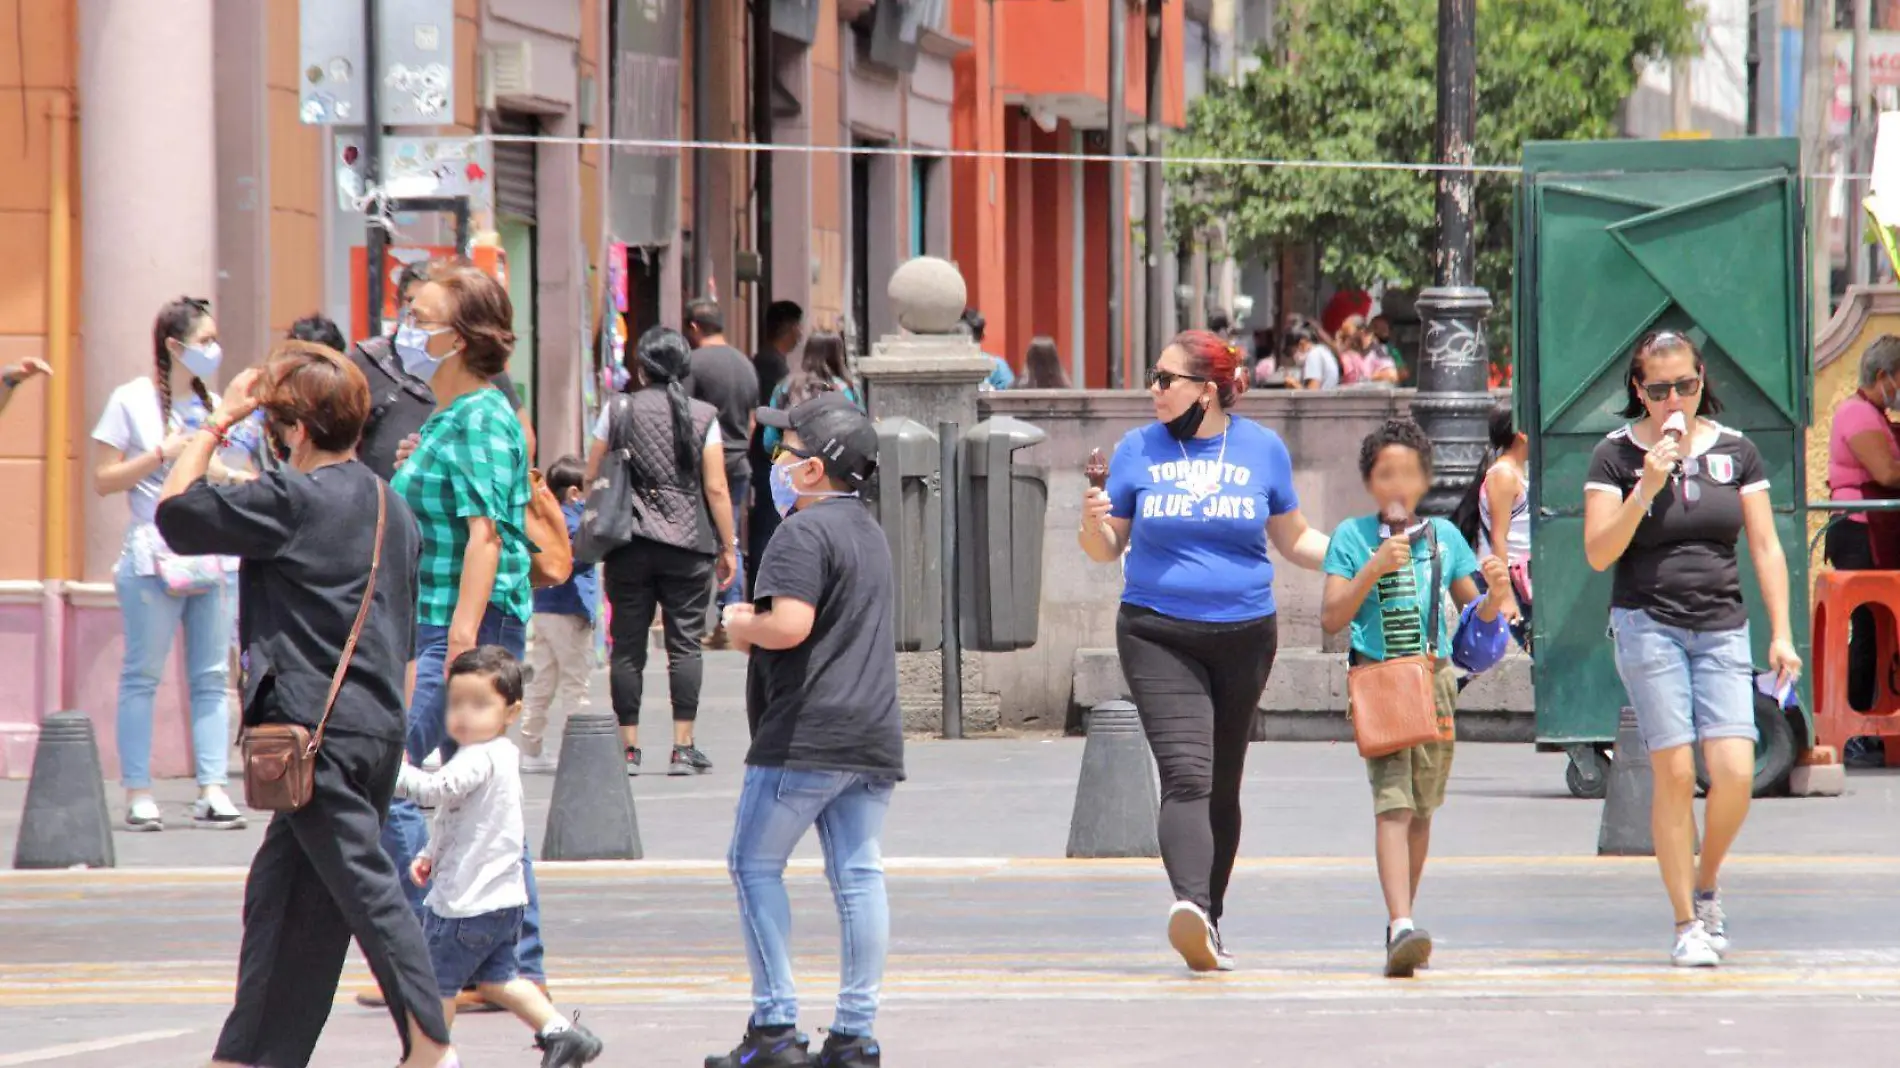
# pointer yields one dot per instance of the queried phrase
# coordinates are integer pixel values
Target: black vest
(669, 505)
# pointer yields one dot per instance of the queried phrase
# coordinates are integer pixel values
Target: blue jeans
(151, 617)
(406, 830)
(1685, 685)
(741, 489)
(475, 949)
(776, 807)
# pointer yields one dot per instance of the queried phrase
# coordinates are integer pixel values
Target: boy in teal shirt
(1379, 578)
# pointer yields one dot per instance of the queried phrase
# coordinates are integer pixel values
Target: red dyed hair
(1212, 357)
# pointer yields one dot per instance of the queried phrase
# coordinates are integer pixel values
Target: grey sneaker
(1708, 912)
(1192, 936)
(633, 760)
(1407, 953)
(568, 1048)
(688, 760)
(216, 813)
(143, 815)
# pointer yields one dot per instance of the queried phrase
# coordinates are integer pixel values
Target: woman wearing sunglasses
(1190, 504)
(1665, 500)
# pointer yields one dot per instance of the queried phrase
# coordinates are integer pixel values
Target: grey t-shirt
(1321, 366)
(725, 379)
(830, 702)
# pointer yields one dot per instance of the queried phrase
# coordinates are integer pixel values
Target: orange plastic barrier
(1836, 595)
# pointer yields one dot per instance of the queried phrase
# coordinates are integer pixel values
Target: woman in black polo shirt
(1666, 498)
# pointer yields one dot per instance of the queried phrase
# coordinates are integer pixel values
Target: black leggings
(1848, 549)
(641, 577)
(1197, 686)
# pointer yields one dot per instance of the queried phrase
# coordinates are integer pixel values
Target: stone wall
(1035, 688)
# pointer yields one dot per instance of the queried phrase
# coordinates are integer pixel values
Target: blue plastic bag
(1479, 645)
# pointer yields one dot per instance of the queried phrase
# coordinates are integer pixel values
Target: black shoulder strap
(1437, 595)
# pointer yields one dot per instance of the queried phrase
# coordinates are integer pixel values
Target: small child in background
(472, 864)
(561, 646)
(1379, 578)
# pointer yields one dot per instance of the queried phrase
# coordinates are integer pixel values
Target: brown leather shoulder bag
(1390, 701)
(280, 759)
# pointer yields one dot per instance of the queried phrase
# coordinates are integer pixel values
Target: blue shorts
(472, 949)
(1685, 685)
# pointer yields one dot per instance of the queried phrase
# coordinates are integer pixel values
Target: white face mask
(202, 360)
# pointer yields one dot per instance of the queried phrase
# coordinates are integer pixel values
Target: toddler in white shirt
(472, 865)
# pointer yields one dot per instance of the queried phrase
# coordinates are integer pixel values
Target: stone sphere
(928, 294)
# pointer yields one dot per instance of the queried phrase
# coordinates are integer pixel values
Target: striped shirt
(472, 461)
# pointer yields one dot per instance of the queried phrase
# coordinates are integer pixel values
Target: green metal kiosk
(1615, 239)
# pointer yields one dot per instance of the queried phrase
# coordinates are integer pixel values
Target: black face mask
(1183, 426)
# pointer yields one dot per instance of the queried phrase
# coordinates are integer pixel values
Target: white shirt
(132, 424)
(603, 428)
(476, 839)
(1321, 366)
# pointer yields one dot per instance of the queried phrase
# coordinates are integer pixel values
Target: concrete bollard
(1625, 831)
(65, 823)
(1116, 800)
(591, 816)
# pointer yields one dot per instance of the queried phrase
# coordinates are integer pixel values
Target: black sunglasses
(1684, 387)
(1167, 379)
(787, 450)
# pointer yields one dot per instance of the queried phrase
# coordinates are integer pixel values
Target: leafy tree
(1357, 84)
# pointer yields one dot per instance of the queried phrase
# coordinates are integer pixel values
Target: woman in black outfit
(682, 527)
(306, 532)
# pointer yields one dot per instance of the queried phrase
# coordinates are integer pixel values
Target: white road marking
(98, 1045)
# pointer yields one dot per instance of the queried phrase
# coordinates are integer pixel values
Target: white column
(148, 201)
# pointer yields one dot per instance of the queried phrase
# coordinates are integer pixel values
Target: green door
(1616, 239)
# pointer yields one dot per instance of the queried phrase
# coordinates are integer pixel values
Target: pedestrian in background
(307, 533)
(827, 732)
(467, 483)
(1192, 501)
(1042, 366)
(1863, 462)
(1390, 581)
(472, 864)
(561, 642)
(1665, 500)
(1494, 516)
(1001, 377)
(784, 331)
(821, 369)
(146, 424)
(682, 539)
(721, 376)
(1310, 363)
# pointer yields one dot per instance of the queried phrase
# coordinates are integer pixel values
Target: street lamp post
(1453, 403)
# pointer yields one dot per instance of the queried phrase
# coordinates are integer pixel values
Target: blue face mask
(785, 495)
(202, 360)
(412, 348)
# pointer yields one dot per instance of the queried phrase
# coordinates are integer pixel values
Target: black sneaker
(633, 761)
(688, 760)
(573, 1046)
(1407, 953)
(849, 1051)
(777, 1047)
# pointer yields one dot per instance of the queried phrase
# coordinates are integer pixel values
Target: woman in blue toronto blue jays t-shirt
(1192, 501)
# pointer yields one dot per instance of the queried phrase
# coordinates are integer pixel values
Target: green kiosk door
(1616, 239)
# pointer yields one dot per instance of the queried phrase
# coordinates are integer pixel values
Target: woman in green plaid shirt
(467, 483)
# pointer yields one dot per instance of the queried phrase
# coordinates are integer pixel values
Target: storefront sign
(646, 107)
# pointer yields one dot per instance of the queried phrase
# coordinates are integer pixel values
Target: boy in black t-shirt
(827, 734)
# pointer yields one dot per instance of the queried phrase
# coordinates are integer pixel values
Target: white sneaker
(215, 811)
(143, 815)
(538, 765)
(1223, 960)
(1193, 937)
(1708, 911)
(1694, 949)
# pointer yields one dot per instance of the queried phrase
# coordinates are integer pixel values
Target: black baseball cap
(830, 427)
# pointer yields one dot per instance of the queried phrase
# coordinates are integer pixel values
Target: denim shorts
(1685, 685)
(472, 949)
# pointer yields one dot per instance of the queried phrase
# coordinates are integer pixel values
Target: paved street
(1005, 954)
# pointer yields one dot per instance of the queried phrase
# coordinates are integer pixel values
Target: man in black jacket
(399, 402)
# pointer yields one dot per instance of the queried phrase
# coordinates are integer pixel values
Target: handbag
(187, 576)
(607, 518)
(1391, 701)
(550, 556)
(280, 759)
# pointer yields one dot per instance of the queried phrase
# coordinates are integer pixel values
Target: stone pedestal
(929, 373)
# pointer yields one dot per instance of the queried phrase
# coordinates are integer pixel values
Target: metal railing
(1841, 510)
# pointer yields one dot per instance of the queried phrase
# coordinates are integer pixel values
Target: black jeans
(1197, 686)
(319, 878)
(641, 577)
(1848, 549)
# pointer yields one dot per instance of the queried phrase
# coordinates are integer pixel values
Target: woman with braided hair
(146, 425)
(682, 537)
